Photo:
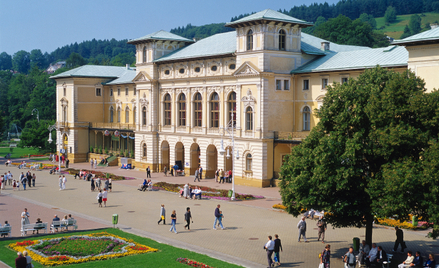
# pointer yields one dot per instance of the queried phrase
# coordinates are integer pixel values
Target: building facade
(184, 99)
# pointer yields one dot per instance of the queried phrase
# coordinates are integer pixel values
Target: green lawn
(165, 257)
(17, 152)
(396, 28)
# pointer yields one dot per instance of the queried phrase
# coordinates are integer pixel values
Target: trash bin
(107, 175)
(115, 219)
(41, 165)
(356, 243)
(415, 220)
(230, 193)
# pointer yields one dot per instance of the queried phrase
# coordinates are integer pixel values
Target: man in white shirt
(269, 247)
(302, 229)
(408, 262)
(372, 255)
(364, 251)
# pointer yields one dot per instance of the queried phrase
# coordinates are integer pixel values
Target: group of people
(23, 260)
(221, 176)
(191, 192)
(62, 182)
(27, 179)
(198, 174)
(273, 247)
(6, 179)
(102, 197)
(147, 184)
(93, 163)
(321, 227)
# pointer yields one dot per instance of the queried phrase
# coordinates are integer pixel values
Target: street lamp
(38, 114)
(231, 126)
(58, 142)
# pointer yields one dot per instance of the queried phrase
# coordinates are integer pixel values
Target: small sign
(63, 151)
(187, 164)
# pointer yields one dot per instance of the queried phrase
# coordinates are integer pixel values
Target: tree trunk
(369, 226)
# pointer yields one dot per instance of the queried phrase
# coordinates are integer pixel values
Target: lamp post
(58, 142)
(222, 152)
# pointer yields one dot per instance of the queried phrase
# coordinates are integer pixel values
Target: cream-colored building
(181, 102)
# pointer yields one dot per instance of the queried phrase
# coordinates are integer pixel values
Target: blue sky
(48, 24)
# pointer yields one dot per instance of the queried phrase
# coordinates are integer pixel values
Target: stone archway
(179, 155)
(212, 161)
(165, 155)
(195, 158)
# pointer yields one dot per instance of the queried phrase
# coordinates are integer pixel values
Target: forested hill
(199, 32)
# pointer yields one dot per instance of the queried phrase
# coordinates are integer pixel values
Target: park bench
(5, 230)
(70, 223)
(34, 227)
(63, 225)
(179, 172)
(389, 260)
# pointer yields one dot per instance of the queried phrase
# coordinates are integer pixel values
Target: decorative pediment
(247, 68)
(248, 100)
(64, 101)
(143, 102)
(142, 77)
(118, 104)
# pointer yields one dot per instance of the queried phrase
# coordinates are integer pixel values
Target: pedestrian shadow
(232, 228)
(69, 189)
(292, 264)
(116, 192)
(113, 206)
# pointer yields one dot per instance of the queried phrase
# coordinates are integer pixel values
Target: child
(99, 198)
(18, 186)
(277, 247)
(221, 216)
(14, 185)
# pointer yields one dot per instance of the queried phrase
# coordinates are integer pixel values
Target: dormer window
(282, 36)
(232, 66)
(197, 69)
(250, 40)
(167, 72)
(181, 71)
(214, 68)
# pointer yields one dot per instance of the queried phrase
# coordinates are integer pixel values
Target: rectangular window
(64, 91)
(98, 92)
(324, 83)
(286, 84)
(135, 92)
(118, 91)
(126, 91)
(306, 84)
(344, 80)
(111, 91)
(278, 84)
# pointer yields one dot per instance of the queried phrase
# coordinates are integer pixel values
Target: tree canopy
(373, 153)
(390, 15)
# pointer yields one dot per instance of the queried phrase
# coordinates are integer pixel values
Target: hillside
(396, 29)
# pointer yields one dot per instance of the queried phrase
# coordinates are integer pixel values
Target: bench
(63, 225)
(70, 223)
(389, 260)
(34, 227)
(180, 172)
(5, 230)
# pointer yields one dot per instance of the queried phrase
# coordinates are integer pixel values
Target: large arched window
(231, 103)
(111, 114)
(282, 36)
(118, 115)
(134, 114)
(167, 110)
(214, 110)
(182, 110)
(144, 54)
(198, 110)
(248, 162)
(144, 150)
(144, 116)
(250, 40)
(306, 118)
(249, 118)
(127, 115)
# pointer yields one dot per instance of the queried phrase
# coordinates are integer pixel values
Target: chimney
(127, 66)
(434, 25)
(324, 46)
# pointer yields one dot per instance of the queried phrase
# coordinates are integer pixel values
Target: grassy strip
(17, 152)
(165, 257)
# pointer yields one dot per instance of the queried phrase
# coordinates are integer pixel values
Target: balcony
(64, 125)
(120, 126)
(290, 136)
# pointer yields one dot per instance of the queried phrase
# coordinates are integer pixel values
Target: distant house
(56, 66)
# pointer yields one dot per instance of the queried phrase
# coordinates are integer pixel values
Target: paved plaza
(248, 223)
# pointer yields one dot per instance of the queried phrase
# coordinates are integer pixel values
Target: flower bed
(80, 248)
(404, 225)
(279, 206)
(207, 191)
(193, 263)
(98, 174)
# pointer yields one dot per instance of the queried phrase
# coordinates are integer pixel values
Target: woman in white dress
(186, 190)
(24, 218)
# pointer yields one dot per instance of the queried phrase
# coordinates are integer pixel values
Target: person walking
(34, 177)
(20, 261)
(107, 184)
(91, 163)
(60, 182)
(165, 170)
(196, 176)
(95, 163)
(173, 221)
(218, 218)
(277, 248)
(148, 172)
(29, 179)
(186, 190)
(104, 197)
(92, 184)
(67, 163)
(321, 226)
(162, 215)
(23, 180)
(64, 180)
(188, 218)
(399, 240)
(326, 257)
(302, 229)
(99, 198)
(269, 248)
(349, 258)
(200, 173)
(28, 259)
(24, 219)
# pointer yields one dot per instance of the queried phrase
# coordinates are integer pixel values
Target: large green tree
(21, 61)
(5, 61)
(368, 129)
(415, 24)
(35, 134)
(390, 15)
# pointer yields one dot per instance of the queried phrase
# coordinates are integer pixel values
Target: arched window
(127, 115)
(64, 114)
(306, 118)
(250, 40)
(249, 118)
(282, 36)
(111, 114)
(144, 150)
(198, 115)
(144, 54)
(144, 116)
(231, 103)
(167, 110)
(214, 110)
(248, 162)
(118, 115)
(134, 115)
(182, 110)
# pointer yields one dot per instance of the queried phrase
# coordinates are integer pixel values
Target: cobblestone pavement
(248, 223)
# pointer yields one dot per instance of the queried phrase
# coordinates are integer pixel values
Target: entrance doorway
(195, 158)
(165, 155)
(179, 155)
(212, 161)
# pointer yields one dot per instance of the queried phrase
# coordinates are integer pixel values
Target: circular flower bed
(77, 249)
